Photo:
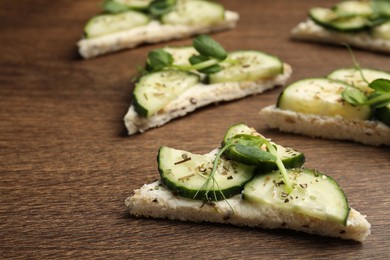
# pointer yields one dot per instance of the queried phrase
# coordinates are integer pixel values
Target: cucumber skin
(262, 167)
(289, 163)
(335, 28)
(189, 193)
(139, 109)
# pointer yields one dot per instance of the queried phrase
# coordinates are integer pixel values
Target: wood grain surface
(67, 164)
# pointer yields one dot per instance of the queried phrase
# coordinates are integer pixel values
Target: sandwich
(178, 80)
(359, 23)
(128, 23)
(248, 181)
(349, 104)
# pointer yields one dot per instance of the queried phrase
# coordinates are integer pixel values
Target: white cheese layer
(152, 33)
(155, 200)
(201, 95)
(310, 31)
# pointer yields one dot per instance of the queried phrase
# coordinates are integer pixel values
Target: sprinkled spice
(193, 101)
(186, 177)
(303, 186)
(185, 159)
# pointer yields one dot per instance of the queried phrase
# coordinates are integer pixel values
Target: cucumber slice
(382, 7)
(248, 66)
(353, 77)
(290, 157)
(185, 173)
(381, 31)
(320, 96)
(195, 12)
(383, 114)
(353, 8)
(155, 90)
(134, 4)
(118, 6)
(181, 55)
(314, 194)
(331, 20)
(110, 23)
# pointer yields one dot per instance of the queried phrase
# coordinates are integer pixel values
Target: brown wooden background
(67, 165)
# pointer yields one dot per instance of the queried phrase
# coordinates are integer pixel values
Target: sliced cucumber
(118, 6)
(383, 114)
(382, 7)
(185, 174)
(195, 12)
(353, 8)
(320, 96)
(110, 23)
(181, 55)
(290, 158)
(134, 4)
(330, 19)
(155, 90)
(314, 194)
(353, 77)
(381, 31)
(248, 66)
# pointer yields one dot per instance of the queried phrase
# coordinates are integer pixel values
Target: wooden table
(67, 164)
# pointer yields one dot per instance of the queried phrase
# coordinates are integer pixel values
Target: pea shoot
(211, 55)
(377, 99)
(254, 148)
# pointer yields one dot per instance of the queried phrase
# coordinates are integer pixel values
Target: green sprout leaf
(206, 46)
(254, 152)
(380, 85)
(208, 61)
(161, 7)
(199, 59)
(354, 96)
(111, 6)
(159, 59)
(377, 100)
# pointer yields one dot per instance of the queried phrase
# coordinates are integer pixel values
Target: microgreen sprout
(161, 7)
(211, 179)
(250, 146)
(156, 8)
(211, 55)
(379, 98)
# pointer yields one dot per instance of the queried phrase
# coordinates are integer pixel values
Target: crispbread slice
(154, 32)
(202, 95)
(366, 132)
(310, 31)
(156, 201)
